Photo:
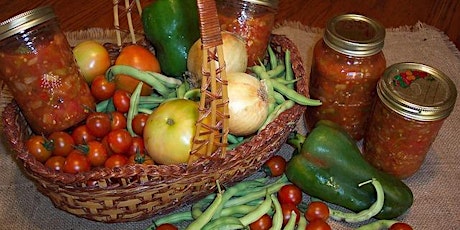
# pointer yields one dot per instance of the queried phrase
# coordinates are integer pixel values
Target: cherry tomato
(116, 160)
(76, 162)
(118, 120)
(290, 193)
(92, 58)
(138, 123)
(56, 163)
(317, 210)
(140, 159)
(140, 58)
(121, 100)
(137, 146)
(287, 208)
(263, 223)
(101, 88)
(63, 143)
(318, 224)
(39, 147)
(275, 166)
(81, 135)
(400, 226)
(166, 227)
(96, 154)
(119, 140)
(98, 124)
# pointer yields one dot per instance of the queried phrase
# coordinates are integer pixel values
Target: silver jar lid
(25, 21)
(417, 91)
(354, 35)
(270, 3)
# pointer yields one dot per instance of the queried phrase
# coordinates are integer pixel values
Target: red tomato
(98, 124)
(137, 146)
(101, 88)
(166, 227)
(63, 143)
(275, 166)
(81, 135)
(138, 57)
(118, 120)
(317, 210)
(56, 163)
(263, 223)
(287, 208)
(121, 100)
(290, 193)
(400, 226)
(116, 160)
(97, 154)
(119, 140)
(318, 224)
(139, 122)
(76, 162)
(92, 58)
(39, 147)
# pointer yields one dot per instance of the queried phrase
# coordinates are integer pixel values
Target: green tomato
(92, 58)
(169, 131)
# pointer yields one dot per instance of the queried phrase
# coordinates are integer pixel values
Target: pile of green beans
(233, 208)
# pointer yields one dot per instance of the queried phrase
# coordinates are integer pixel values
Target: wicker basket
(136, 192)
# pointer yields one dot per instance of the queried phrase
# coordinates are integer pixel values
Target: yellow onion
(235, 56)
(248, 103)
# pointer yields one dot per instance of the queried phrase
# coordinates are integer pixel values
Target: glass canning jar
(252, 20)
(347, 64)
(37, 65)
(413, 102)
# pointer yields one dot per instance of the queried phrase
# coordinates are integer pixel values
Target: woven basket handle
(211, 137)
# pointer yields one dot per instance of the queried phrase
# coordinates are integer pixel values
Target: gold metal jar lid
(25, 21)
(417, 91)
(354, 35)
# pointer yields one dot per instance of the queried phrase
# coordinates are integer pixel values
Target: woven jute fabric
(435, 186)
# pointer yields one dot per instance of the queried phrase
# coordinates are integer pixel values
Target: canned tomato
(346, 66)
(37, 64)
(252, 20)
(413, 102)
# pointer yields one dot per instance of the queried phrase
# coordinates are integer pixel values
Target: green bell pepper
(172, 26)
(329, 166)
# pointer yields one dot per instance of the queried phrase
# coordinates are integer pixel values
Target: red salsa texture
(396, 144)
(346, 87)
(45, 82)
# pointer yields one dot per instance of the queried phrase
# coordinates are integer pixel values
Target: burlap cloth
(435, 186)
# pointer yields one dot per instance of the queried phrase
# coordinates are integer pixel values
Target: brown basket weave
(136, 192)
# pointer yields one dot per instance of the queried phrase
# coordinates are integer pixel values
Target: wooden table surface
(443, 14)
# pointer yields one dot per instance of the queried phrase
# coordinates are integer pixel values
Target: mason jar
(413, 102)
(252, 20)
(37, 65)
(346, 66)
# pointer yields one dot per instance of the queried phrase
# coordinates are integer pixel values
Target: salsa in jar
(347, 64)
(413, 102)
(37, 64)
(252, 20)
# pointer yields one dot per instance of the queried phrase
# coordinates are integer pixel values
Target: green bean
(198, 206)
(139, 75)
(379, 224)
(294, 95)
(260, 72)
(286, 82)
(169, 82)
(239, 210)
(232, 139)
(296, 140)
(287, 104)
(207, 215)
(279, 98)
(366, 214)
(172, 219)
(302, 224)
(272, 57)
(289, 72)
(270, 93)
(184, 87)
(276, 72)
(224, 223)
(277, 220)
(262, 209)
(290, 225)
(145, 110)
(151, 99)
(133, 108)
(192, 94)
